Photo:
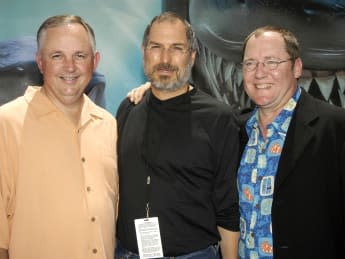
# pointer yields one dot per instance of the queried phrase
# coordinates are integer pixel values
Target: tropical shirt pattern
(256, 176)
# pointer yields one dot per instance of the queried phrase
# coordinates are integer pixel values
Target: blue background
(118, 25)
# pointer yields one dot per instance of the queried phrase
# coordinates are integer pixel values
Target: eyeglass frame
(266, 64)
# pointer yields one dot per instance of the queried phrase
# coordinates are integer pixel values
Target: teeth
(264, 86)
(69, 77)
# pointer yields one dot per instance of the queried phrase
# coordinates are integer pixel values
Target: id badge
(148, 238)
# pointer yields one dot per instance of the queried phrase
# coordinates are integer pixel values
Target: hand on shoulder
(138, 93)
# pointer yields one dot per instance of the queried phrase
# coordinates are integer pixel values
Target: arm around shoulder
(137, 94)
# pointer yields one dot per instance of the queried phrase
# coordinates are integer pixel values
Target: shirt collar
(42, 106)
(287, 110)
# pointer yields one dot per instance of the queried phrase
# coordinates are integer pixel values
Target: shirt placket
(257, 176)
(95, 247)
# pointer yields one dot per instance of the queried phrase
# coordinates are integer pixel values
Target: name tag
(148, 238)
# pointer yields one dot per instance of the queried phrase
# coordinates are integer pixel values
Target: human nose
(69, 63)
(261, 69)
(165, 55)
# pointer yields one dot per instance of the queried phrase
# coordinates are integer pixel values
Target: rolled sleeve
(225, 190)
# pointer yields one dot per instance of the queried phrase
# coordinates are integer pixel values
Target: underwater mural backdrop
(220, 25)
(119, 26)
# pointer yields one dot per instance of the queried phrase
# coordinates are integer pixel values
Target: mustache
(165, 66)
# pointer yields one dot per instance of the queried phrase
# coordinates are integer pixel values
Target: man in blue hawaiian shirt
(291, 177)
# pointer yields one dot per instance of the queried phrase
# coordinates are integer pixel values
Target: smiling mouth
(69, 78)
(263, 86)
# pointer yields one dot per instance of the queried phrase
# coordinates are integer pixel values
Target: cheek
(247, 80)
(149, 63)
(149, 59)
(181, 68)
(281, 74)
(87, 68)
(48, 71)
(50, 68)
(148, 68)
(183, 63)
(249, 89)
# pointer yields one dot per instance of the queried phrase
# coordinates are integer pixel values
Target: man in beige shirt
(58, 175)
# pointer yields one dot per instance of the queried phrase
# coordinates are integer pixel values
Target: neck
(73, 114)
(165, 95)
(266, 117)
(268, 114)
(71, 111)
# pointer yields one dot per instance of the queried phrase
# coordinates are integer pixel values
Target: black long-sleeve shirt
(188, 145)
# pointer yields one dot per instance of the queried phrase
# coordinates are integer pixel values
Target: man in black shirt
(178, 154)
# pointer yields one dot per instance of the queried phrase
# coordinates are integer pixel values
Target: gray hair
(290, 40)
(170, 16)
(58, 20)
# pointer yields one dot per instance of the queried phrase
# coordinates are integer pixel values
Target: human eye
(178, 49)
(80, 56)
(271, 64)
(154, 47)
(250, 64)
(56, 56)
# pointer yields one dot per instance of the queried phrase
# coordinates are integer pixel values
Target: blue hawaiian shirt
(256, 176)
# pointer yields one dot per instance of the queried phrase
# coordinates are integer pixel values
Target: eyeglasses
(174, 50)
(251, 65)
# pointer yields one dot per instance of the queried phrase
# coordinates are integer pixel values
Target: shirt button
(94, 251)
(93, 219)
(83, 159)
(88, 188)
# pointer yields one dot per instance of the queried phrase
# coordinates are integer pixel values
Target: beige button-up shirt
(58, 183)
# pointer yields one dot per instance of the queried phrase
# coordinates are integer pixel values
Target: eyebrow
(173, 44)
(265, 58)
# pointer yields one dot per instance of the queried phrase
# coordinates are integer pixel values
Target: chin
(261, 102)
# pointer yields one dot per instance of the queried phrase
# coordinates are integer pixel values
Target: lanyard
(146, 158)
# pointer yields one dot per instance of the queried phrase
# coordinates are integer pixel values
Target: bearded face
(167, 57)
(169, 77)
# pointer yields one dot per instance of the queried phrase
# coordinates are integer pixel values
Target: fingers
(130, 95)
(137, 94)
